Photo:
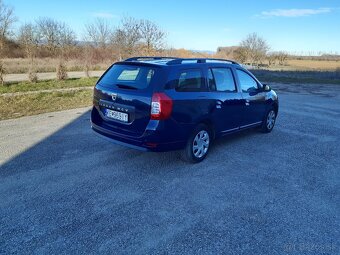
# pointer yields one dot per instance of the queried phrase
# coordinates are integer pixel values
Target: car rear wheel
(269, 121)
(198, 144)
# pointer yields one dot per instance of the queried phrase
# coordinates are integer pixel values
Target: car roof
(173, 61)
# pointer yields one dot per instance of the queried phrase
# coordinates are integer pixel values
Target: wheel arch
(275, 105)
(210, 125)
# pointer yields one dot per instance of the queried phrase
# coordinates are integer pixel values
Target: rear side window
(221, 79)
(190, 81)
(248, 84)
(128, 76)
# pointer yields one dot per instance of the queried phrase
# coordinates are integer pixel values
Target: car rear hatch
(123, 95)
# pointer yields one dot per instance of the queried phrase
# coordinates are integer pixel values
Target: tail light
(161, 106)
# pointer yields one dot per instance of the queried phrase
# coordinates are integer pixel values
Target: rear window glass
(128, 76)
(221, 79)
(190, 80)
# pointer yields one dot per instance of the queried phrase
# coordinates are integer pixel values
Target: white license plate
(116, 115)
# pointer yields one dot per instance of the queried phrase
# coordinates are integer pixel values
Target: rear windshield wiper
(123, 86)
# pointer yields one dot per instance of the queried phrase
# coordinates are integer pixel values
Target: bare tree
(49, 30)
(271, 57)
(29, 38)
(240, 54)
(131, 29)
(7, 19)
(67, 39)
(282, 57)
(255, 48)
(119, 43)
(58, 38)
(99, 33)
(127, 37)
(151, 35)
(55, 35)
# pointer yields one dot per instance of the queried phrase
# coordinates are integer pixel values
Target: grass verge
(47, 85)
(14, 106)
(267, 79)
(31, 104)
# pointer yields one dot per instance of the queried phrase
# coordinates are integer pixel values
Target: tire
(269, 121)
(198, 145)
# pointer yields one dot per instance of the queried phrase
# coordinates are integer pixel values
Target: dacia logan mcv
(162, 104)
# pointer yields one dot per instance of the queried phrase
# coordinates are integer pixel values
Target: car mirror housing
(266, 87)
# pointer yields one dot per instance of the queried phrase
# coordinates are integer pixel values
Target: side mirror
(266, 87)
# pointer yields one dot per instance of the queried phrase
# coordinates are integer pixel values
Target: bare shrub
(61, 71)
(2, 73)
(87, 70)
(282, 57)
(32, 76)
(272, 57)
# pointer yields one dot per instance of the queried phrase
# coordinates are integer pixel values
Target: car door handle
(247, 102)
(218, 104)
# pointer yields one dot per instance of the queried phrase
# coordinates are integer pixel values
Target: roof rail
(148, 58)
(200, 60)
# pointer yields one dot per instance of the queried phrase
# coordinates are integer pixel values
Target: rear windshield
(128, 76)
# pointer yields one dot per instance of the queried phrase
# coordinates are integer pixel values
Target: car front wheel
(269, 121)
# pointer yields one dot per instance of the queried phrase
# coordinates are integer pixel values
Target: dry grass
(26, 86)
(22, 65)
(31, 104)
(319, 65)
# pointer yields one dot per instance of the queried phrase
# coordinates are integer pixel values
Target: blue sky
(295, 26)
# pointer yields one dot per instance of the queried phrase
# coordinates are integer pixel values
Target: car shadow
(76, 142)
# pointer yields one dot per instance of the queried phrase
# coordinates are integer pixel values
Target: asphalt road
(65, 190)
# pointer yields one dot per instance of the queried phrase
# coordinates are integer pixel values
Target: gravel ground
(65, 190)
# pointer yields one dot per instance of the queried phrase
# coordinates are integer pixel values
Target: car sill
(251, 125)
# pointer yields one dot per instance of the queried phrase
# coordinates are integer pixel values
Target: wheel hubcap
(201, 144)
(271, 119)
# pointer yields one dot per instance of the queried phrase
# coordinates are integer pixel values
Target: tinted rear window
(190, 81)
(129, 76)
(221, 79)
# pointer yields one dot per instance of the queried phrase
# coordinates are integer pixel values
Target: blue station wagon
(162, 104)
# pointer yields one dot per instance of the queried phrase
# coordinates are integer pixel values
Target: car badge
(114, 96)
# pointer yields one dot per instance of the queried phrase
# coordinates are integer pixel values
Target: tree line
(46, 37)
(100, 40)
(255, 51)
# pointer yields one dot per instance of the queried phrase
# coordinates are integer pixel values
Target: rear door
(253, 99)
(123, 97)
(228, 100)
(188, 91)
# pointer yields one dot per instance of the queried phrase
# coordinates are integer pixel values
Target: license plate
(116, 115)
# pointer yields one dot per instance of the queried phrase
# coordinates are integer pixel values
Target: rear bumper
(150, 140)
